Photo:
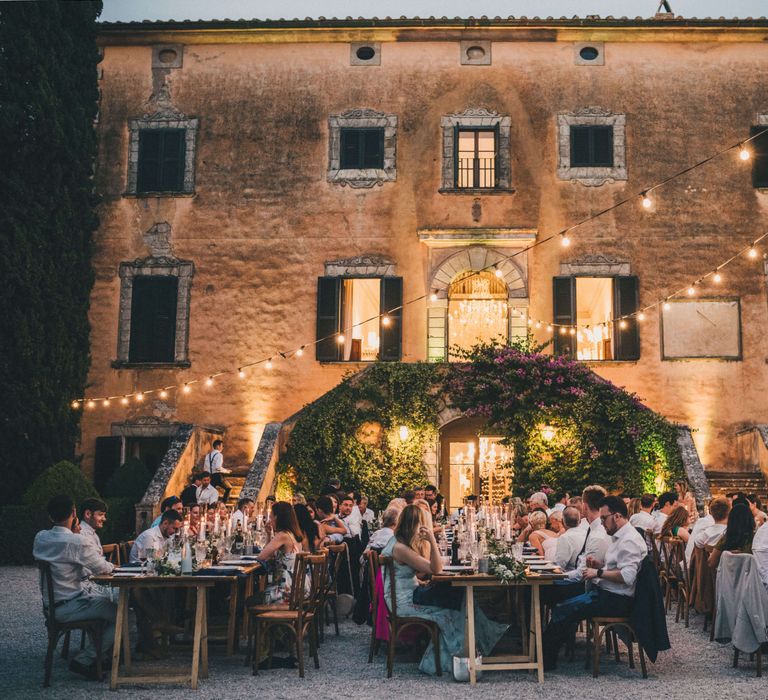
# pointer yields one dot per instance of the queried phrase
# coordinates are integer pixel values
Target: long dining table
(530, 660)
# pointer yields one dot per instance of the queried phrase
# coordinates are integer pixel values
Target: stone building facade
(252, 166)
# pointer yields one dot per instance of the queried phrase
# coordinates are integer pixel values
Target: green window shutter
(564, 312)
(437, 334)
(327, 348)
(153, 319)
(162, 156)
(391, 302)
(626, 301)
(174, 151)
(150, 144)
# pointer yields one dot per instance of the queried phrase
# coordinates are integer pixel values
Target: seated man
(352, 517)
(170, 503)
(156, 537)
(93, 514)
(207, 495)
(570, 542)
(332, 528)
(709, 535)
(387, 530)
(69, 556)
(613, 580)
(189, 494)
(667, 503)
(243, 513)
(643, 518)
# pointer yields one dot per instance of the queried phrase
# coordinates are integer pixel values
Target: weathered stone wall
(264, 218)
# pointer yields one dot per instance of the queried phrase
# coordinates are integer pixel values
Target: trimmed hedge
(62, 478)
(130, 480)
(121, 521)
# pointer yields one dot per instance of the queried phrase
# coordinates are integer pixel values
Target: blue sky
(134, 10)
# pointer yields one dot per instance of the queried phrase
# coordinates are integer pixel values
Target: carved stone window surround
(591, 116)
(362, 119)
(361, 266)
(156, 266)
(595, 266)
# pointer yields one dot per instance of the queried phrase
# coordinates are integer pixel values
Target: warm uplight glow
(403, 432)
(548, 432)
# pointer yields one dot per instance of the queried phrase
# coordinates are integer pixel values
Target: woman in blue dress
(415, 551)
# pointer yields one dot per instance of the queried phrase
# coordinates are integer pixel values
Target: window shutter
(153, 319)
(391, 336)
(626, 301)
(173, 154)
(148, 176)
(437, 334)
(327, 348)
(456, 163)
(579, 146)
(602, 146)
(350, 149)
(563, 311)
(106, 460)
(760, 156)
(373, 148)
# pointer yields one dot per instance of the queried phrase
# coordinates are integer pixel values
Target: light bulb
(752, 252)
(647, 202)
(240, 373)
(433, 297)
(105, 403)
(744, 153)
(717, 277)
(186, 388)
(268, 363)
(641, 316)
(549, 329)
(691, 291)
(498, 273)
(572, 331)
(566, 241)
(139, 396)
(385, 320)
(91, 404)
(75, 405)
(163, 394)
(530, 321)
(562, 331)
(340, 338)
(209, 381)
(667, 307)
(300, 351)
(622, 324)
(124, 401)
(538, 324)
(403, 430)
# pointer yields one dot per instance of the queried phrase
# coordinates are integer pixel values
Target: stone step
(728, 482)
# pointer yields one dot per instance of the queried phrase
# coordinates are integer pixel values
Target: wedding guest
(413, 532)
(561, 500)
(676, 524)
(757, 509)
(332, 528)
(242, 514)
(309, 529)
(437, 528)
(214, 465)
(613, 577)
(351, 516)
(170, 503)
(287, 541)
(570, 541)
(207, 495)
(419, 492)
(667, 503)
(596, 539)
(686, 498)
(69, 556)
(537, 531)
(432, 496)
(157, 537)
(195, 517)
(189, 494)
(760, 552)
(409, 496)
(93, 515)
(398, 503)
(709, 536)
(643, 518)
(738, 534)
(362, 503)
(387, 530)
(539, 500)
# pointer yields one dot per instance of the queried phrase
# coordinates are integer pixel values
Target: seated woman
(194, 520)
(738, 535)
(676, 524)
(545, 541)
(309, 529)
(536, 530)
(436, 528)
(412, 536)
(285, 544)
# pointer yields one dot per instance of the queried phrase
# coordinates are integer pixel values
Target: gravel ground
(693, 667)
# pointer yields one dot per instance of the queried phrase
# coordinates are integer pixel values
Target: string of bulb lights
(689, 290)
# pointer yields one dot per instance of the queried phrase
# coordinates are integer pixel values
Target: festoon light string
(688, 290)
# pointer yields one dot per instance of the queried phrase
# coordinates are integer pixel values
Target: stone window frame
(362, 119)
(476, 117)
(157, 267)
(189, 124)
(592, 116)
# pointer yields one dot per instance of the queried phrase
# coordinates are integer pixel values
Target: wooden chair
(373, 574)
(675, 577)
(397, 623)
(94, 628)
(331, 593)
(599, 626)
(298, 617)
(112, 553)
(125, 550)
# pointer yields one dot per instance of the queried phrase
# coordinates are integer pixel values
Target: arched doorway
(473, 462)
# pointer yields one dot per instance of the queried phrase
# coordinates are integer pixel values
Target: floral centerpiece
(506, 568)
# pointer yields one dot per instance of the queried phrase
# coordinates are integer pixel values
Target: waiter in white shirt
(70, 555)
(614, 579)
(207, 495)
(157, 537)
(214, 465)
(643, 518)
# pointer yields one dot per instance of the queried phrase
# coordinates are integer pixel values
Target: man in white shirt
(614, 578)
(760, 552)
(243, 513)
(214, 465)
(643, 518)
(570, 542)
(387, 530)
(539, 500)
(561, 501)
(69, 556)
(667, 502)
(362, 505)
(157, 537)
(93, 514)
(710, 535)
(207, 495)
(351, 516)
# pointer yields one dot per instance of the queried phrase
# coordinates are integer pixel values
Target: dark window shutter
(391, 336)
(456, 163)
(579, 146)
(174, 150)
(150, 147)
(373, 148)
(626, 301)
(602, 146)
(327, 348)
(760, 156)
(106, 460)
(563, 311)
(592, 146)
(162, 155)
(350, 148)
(153, 319)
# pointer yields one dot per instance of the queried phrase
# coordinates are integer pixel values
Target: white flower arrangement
(506, 568)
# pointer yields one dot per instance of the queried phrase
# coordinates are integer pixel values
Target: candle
(216, 524)
(201, 532)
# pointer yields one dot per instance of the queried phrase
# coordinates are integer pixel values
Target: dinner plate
(127, 573)
(457, 568)
(543, 567)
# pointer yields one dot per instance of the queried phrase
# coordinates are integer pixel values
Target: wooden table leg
(126, 634)
(471, 634)
(120, 622)
(199, 613)
(232, 621)
(247, 593)
(537, 631)
(204, 637)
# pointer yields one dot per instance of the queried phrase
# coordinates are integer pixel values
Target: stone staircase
(721, 483)
(237, 481)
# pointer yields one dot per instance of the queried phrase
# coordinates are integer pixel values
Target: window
(153, 319)
(161, 160)
(760, 156)
(591, 146)
(476, 158)
(589, 304)
(701, 328)
(161, 155)
(362, 148)
(348, 325)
